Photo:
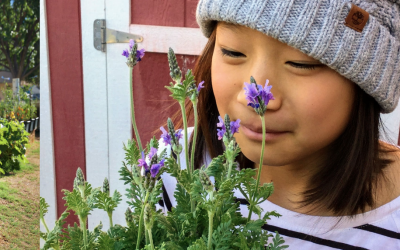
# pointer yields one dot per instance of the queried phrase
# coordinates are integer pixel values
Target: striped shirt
(376, 229)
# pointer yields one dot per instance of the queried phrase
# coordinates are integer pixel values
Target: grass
(19, 204)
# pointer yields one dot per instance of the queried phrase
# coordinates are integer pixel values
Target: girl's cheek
(325, 110)
(223, 80)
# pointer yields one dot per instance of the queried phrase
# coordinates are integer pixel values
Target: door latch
(102, 35)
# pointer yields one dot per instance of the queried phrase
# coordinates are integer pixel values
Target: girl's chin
(269, 158)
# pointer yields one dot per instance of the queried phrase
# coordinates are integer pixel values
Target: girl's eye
(304, 66)
(230, 53)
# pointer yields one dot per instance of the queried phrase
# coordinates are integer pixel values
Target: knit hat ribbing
(370, 58)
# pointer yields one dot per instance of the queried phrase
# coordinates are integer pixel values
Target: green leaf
(82, 206)
(254, 225)
(222, 237)
(105, 242)
(199, 244)
(135, 198)
(217, 169)
(126, 174)
(182, 198)
(153, 143)
(43, 207)
(107, 203)
(132, 153)
(264, 192)
(267, 215)
(277, 242)
(155, 195)
(52, 239)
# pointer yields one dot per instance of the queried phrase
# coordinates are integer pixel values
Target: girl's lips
(258, 136)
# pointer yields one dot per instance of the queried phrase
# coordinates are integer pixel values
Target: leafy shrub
(13, 139)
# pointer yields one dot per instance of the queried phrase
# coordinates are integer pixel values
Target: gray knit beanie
(360, 39)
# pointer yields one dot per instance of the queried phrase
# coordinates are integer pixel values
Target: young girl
(334, 66)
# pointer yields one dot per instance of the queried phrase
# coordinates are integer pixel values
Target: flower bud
(128, 215)
(175, 72)
(132, 61)
(192, 90)
(227, 122)
(205, 181)
(146, 182)
(75, 184)
(230, 151)
(171, 130)
(148, 216)
(152, 183)
(106, 186)
(193, 97)
(80, 179)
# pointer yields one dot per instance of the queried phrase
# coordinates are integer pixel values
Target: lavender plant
(207, 214)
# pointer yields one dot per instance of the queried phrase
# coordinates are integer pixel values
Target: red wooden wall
(152, 102)
(66, 79)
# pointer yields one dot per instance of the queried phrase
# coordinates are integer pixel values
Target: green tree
(19, 38)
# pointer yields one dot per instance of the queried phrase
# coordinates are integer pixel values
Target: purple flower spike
(266, 94)
(165, 136)
(153, 151)
(200, 86)
(155, 168)
(178, 135)
(131, 43)
(125, 53)
(140, 54)
(221, 124)
(142, 162)
(235, 126)
(133, 54)
(251, 93)
(258, 97)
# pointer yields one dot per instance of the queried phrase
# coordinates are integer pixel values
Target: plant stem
(210, 229)
(259, 168)
(210, 221)
(82, 223)
(229, 169)
(146, 236)
(151, 238)
(192, 205)
(186, 137)
(139, 238)
(44, 224)
(179, 161)
(194, 135)
(110, 217)
(133, 112)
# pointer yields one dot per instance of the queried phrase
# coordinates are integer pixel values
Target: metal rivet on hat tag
(357, 18)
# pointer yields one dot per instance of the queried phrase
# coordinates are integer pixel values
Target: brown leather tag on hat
(357, 18)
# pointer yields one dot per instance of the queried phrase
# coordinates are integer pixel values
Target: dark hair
(345, 184)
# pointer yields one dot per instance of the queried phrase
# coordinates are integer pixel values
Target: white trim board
(184, 41)
(47, 171)
(118, 101)
(95, 106)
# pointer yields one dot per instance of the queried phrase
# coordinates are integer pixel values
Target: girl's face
(312, 102)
